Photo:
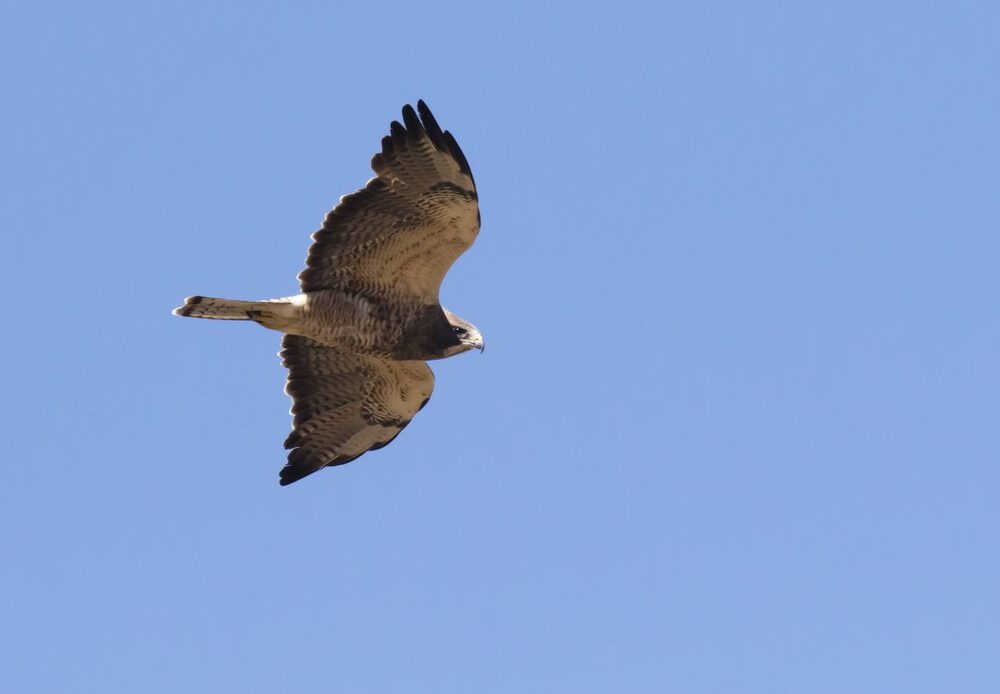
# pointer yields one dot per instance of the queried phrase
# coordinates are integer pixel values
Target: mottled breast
(374, 325)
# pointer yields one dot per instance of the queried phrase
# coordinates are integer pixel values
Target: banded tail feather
(222, 309)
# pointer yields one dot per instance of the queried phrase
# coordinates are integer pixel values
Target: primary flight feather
(358, 337)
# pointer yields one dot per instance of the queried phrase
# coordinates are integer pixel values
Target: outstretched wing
(406, 227)
(344, 404)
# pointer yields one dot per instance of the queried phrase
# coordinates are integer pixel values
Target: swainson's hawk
(358, 337)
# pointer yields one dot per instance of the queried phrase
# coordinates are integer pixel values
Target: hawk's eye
(458, 330)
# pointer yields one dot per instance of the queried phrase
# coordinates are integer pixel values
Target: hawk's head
(466, 334)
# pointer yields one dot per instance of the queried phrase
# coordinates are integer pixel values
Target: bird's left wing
(344, 404)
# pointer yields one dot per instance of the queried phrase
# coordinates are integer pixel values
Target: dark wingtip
(413, 127)
(396, 131)
(293, 473)
(387, 146)
(431, 126)
(456, 152)
(442, 139)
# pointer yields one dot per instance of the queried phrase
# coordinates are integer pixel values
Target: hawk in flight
(358, 337)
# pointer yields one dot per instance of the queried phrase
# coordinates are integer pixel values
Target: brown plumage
(368, 318)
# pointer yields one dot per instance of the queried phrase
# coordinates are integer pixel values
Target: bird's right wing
(344, 404)
(403, 230)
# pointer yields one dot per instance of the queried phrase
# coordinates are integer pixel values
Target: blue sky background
(737, 426)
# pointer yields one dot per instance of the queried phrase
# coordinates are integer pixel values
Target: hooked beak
(478, 342)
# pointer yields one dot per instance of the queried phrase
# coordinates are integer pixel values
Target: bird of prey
(368, 318)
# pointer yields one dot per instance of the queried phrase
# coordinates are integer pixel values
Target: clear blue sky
(737, 426)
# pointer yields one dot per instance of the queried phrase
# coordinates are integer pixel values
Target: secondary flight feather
(368, 318)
